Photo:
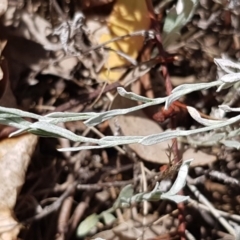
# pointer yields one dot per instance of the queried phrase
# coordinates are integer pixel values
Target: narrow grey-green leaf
(70, 114)
(160, 137)
(134, 96)
(180, 180)
(19, 113)
(49, 128)
(106, 142)
(59, 117)
(226, 64)
(175, 198)
(231, 144)
(196, 115)
(112, 113)
(19, 132)
(16, 122)
(196, 86)
(188, 88)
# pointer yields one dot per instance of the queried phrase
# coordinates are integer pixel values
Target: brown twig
(65, 212)
(77, 215)
(85, 98)
(54, 206)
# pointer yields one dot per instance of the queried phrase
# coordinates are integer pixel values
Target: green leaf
(125, 194)
(108, 218)
(176, 18)
(85, 226)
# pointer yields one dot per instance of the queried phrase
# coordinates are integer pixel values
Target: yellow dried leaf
(128, 16)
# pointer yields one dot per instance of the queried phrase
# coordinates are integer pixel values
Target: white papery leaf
(226, 65)
(180, 180)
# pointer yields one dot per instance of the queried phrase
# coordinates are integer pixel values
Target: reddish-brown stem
(174, 109)
(168, 84)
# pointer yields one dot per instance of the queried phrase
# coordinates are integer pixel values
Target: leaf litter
(50, 70)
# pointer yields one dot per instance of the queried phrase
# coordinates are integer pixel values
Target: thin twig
(214, 212)
(224, 177)
(54, 206)
(189, 236)
(78, 214)
(64, 215)
(99, 96)
(120, 150)
(144, 33)
(222, 213)
(144, 189)
(84, 98)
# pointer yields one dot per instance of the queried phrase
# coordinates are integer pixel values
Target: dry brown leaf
(25, 51)
(126, 17)
(138, 124)
(15, 155)
(3, 6)
(37, 62)
(199, 158)
(9, 227)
